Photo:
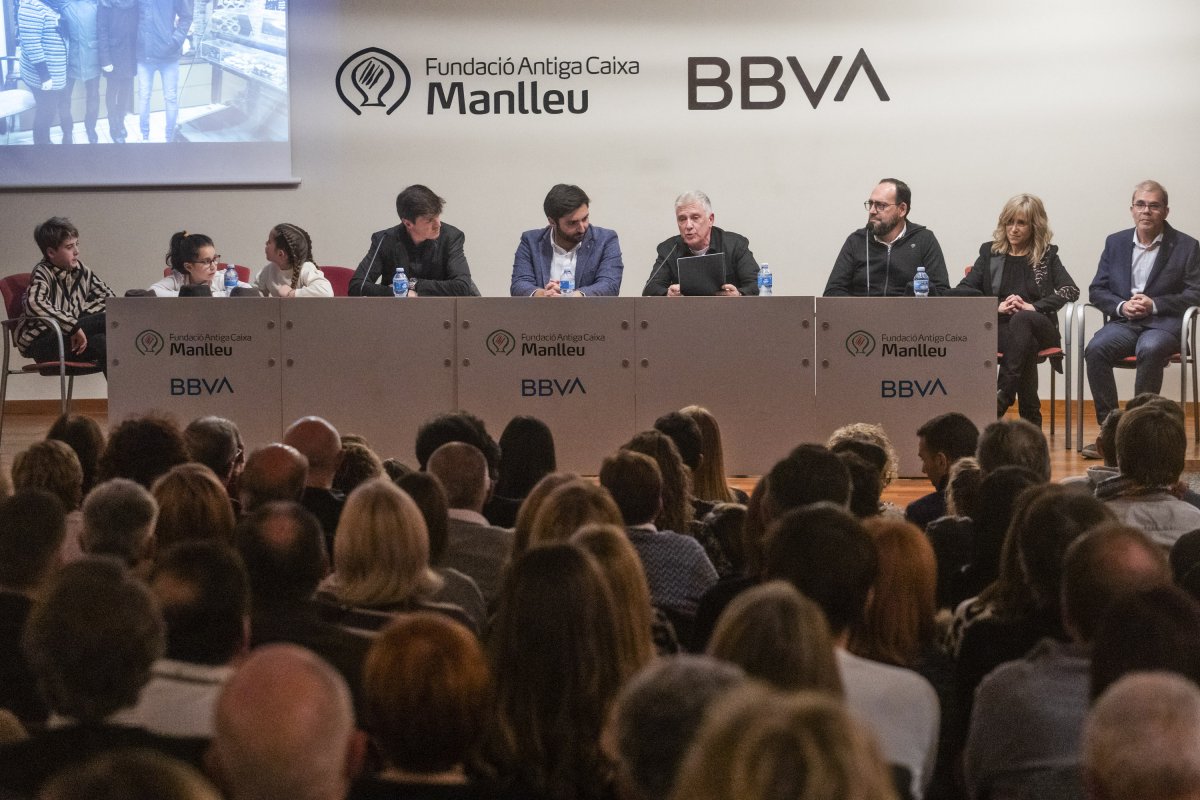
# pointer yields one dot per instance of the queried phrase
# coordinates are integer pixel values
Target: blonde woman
(568, 508)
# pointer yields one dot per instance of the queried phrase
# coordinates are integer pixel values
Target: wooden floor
(22, 429)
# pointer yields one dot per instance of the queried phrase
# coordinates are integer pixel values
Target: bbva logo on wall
(373, 78)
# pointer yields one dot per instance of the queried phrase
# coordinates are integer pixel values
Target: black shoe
(1002, 404)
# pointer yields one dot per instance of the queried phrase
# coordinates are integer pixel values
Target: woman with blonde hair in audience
(778, 635)
(571, 506)
(677, 512)
(872, 434)
(762, 744)
(381, 562)
(644, 629)
(708, 480)
(557, 663)
(530, 506)
(192, 505)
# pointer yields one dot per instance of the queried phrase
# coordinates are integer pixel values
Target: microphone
(867, 252)
(362, 287)
(654, 273)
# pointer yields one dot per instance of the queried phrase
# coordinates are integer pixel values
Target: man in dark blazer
(698, 236)
(592, 252)
(1147, 278)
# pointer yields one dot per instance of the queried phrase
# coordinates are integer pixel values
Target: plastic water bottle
(921, 283)
(766, 282)
(231, 280)
(566, 283)
(400, 283)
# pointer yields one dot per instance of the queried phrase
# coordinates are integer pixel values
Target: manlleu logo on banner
(860, 343)
(501, 342)
(149, 342)
(373, 79)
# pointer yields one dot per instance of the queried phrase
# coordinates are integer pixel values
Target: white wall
(1073, 102)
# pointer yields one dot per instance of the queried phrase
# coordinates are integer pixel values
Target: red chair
(339, 278)
(13, 289)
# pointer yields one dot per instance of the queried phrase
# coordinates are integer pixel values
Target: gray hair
(694, 196)
(118, 518)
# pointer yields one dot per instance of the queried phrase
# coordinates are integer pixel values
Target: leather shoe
(1091, 453)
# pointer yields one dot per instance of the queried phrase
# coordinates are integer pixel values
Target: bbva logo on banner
(373, 78)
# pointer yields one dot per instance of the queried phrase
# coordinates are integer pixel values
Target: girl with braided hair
(291, 271)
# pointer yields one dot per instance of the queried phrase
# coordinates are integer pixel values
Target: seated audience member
(474, 547)
(430, 252)
(142, 449)
(357, 465)
(953, 536)
(284, 553)
(676, 511)
(556, 674)
(1024, 738)
(1014, 443)
(1156, 629)
(194, 265)
(940, 442)
(877, 459)
(656, 717)
(192, 506)
(396, 469)
(32, 529)
(290, 271)
(381, 562)
(1105, 448)
(1151, 449)
(570, 241)
(698, 236)
(91, 640)
(756, 741)
(458, 426)
(526, 456)
(84, 436)
(61, 287)
(565, 510)
(125, 774)
(52, 466)
(458, 588)
(830, 558)
(685, 433)
(720, 533)
(1181, 489)
(531, 505)
(779, 636)
(118, 521)
(643, 629)
(216, 443)
(203, 593)
(1142, 739)
(677, 569)
(866, 485)
(708, 479)
(1185, 562)
(285, 729)
(317, 440)
(427, 689)
(273, 472)
(872, 434)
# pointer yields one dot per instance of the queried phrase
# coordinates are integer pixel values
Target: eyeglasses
(1142, 205)
(878, 206)
(208, 262)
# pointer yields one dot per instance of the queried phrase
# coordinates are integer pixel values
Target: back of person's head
(898, 624)
(531, 505)
(358, 464)
(458, 426)
(204, 595)
(626, 578)
(32, 528)
(52, 466)
(118, 521)
(953, 435)
(1151, 445)
(708, 480)
(1152, 629)
(317, 440)
(962, 488)
(635, 483)
(998, 493)
(866, 485)
(142, 449)
(426, 689)
(463, 472)
(568, 508)
(273, 472)
(216, 443)
(657, 714)
(1105, 564)
(809, 474)
(1054, 517)
(1014, 442)
(685, 433)
(1145, 398)
(283, 551)
(83, 435)
(126, 774)
(760, 744)
(869, 452)
(427, 492)
(285, 728)
(856, 434)
(778, 635)
(676, 512)
(192, 506)
(1185, 562)
(1141, 740)
(526, 456)
(1106, 442)
(92, 638)
(826, 554)
(726, 523)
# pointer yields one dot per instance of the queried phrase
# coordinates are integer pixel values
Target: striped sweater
(65, 295)
(43, 49)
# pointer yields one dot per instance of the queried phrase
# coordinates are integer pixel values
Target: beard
(881, 228)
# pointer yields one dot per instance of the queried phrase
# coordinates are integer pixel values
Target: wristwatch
(412, 285)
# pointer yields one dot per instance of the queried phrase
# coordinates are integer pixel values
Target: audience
(358, 464)
(129, 774)
(52, 466)
(1014, 443)
(318, 441)
(216, 443)
(643, 629)
(526, 456)
(531, 505)
(118, 520)
(676, 510)
(709, 479)
(192, 506)
(273, 472)
(1151, 630)
(83, 435)
(565, 510)
(940, 442)
(142, 449)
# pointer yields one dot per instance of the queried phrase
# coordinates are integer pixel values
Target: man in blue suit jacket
(1147, 278)
(593, 253)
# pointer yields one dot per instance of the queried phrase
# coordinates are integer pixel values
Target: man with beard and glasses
(570, 242)
(881, 259)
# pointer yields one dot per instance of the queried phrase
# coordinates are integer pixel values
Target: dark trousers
(118, 96)
(91, 110)
(1117, 340)
(1020, 337)
(44, 113)
(45, 347)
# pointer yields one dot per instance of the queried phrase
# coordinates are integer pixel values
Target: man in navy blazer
(592, 252)
(1147, 278)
